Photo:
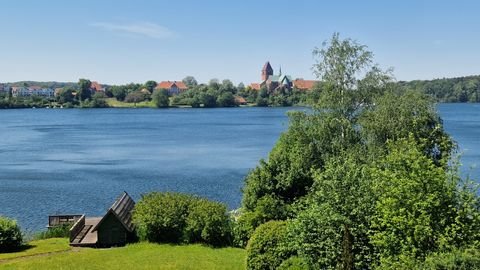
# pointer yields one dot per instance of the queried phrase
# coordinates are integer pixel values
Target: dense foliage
(365, 180)
(10, 235)
(462, 89)
(267, 248)
(160, 98)
(207, 222)
(456, 260)
(61, 231)
(281, 97)
(182, 218)
(215, 94)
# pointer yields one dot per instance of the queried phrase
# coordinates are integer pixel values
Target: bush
(267, 248)
(267, 208)
(226, 99)
(294, 263)
(455, 260)
(136, 96)
(61, 231)
(243, 229)
(10, 235)
(208, 222)
(175, 218)
(160, 98)
(161, 217)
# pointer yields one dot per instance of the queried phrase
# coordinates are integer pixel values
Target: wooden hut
(62, 220)
(115, 228)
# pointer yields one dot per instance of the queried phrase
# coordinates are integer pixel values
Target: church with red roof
(272, 82)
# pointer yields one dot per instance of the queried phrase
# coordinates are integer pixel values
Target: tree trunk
(347, 249)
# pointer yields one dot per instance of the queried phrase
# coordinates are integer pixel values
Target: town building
(302, 84)
(4, 88)
(272, 82)
(173, 88)
(22, 91)
(240, 101)
(96, 87)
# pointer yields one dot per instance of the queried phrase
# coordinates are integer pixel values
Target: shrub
(244, 228)
(455, 260)
(160, 98)
(267, 248)
(136, 96)
(55, 232)
(208, 222)
(175, 218)
(267, 208)
(294, 263)
(161, 217)
(10, 235)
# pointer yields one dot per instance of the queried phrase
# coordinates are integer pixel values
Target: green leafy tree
(190, 81)
(208, 99)
(84, 91)
(135, 97)
(262, 98)
(226, 99)
(195, 102)
(241, 87)
(313, 137)
(119, 92)
(333, 231)
(150, 85)
(325, 172)
(98, 100)
(160, 98)
(414, 113)
(414, 205)
(227, 86)
(65, 95)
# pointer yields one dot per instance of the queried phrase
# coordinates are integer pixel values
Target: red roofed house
(255, 86)
(240, 100)
(96, 87)
(173, 88)
(302, 84)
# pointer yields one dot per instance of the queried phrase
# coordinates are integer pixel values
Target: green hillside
(56, 254)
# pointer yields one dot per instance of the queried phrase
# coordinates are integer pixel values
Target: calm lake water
(79, 161)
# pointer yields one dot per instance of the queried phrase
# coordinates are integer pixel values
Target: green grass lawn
(135, 256)
(113, 102)
(38, 247)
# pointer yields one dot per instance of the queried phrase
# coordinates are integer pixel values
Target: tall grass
(60, 231)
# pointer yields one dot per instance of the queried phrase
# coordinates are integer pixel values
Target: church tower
(266, 71)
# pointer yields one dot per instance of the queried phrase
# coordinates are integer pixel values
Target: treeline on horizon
(460, 89)
(213, 94)
(217, 93)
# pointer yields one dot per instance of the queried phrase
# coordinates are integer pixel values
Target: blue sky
(134, 41)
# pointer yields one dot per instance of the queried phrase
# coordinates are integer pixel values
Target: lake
(56, 161)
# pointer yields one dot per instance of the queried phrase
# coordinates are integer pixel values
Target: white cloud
(145, 29)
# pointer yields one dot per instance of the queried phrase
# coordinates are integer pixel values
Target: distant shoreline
(183, 107)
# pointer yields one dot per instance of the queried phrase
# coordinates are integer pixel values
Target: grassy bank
(113, 102)
(38, 247)
(56, 254)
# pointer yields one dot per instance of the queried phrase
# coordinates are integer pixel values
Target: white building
(4, 88)
(33, 91)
